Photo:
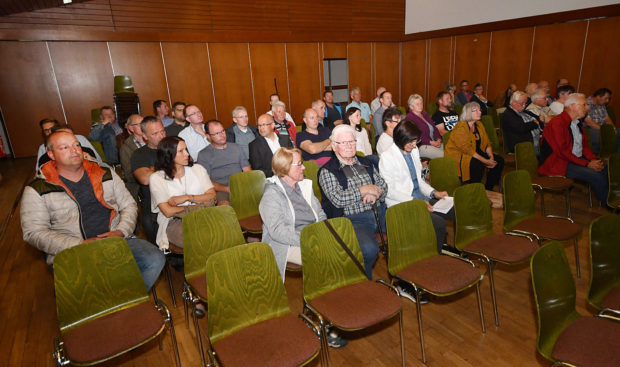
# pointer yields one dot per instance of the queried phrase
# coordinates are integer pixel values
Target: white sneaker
(408, 292)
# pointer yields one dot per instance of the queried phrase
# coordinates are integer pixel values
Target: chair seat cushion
(589, 341)
(113, 334)
(252, 224)
(199, 283)
(359, 305)
(175, 249)
(282, 341)
(503, 248)
(550, 228)
(440, 274)
(293, 267)
(612, 299)
(553, 182)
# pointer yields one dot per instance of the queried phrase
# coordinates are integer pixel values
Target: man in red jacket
(565, 149)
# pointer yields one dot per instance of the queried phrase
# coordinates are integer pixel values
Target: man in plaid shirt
(350, 187)
(597, 117)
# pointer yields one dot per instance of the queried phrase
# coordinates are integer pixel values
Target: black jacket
(260, 153)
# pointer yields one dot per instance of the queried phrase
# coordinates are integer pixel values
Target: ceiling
(8, 7)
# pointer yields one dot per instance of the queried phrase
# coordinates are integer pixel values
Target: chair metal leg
(590, 195)
(169, 276)
(185, 295)
(484, 330)
(542, 202)
(325, 360)
(568, 209)
(175, 346)
(402, 338)
(491, 265)
(154, 293)
(419, 309)
(577, 258)
(197, 328)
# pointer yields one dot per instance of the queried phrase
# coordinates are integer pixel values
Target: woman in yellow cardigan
(471, 150)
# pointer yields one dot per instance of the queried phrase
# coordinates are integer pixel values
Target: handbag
(191, 208)
(344, 246)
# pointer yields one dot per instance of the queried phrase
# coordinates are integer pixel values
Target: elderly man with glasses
(351, 186)
(194, 135)
(221, 159)
(266, 145)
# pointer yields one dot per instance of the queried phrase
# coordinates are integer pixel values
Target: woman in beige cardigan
(471, 150)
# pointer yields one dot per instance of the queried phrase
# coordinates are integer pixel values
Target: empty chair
(604, 289)
(564, 336)
(519, 215)
(336, 288)
(489, 128)
(413, 259)
(99, 288)
(444, 176)
(609, 145)
(246, 190)
(205, 232)
(613, 197)
(311, 173)
(474, 234)
(525, 159)
(250, 321)
(123, 84)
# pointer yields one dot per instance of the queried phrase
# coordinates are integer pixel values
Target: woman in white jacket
(287, 206)
(400, 167)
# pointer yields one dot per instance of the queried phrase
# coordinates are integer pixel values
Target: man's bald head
(64, 148)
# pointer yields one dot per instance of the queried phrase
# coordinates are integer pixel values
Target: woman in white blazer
(401, 175)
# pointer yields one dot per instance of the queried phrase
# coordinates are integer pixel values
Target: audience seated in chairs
(353, 117)
(266, 144)
(430, 143)
(471, 149)
(49, 126)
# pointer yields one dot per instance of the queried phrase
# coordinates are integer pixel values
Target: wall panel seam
(489, 62)
(529, 72)
(62, 106)
(163, 61)
(583, 53)
(252, 82)
(288, 85)
(110, 55)
(211, 75)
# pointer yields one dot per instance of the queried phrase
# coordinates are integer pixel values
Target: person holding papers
(400, 167)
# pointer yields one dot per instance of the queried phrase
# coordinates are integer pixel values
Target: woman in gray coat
(287, 206)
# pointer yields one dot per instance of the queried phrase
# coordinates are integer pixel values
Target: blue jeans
(365, 227)
(150, 260)
(597, 180)
(107, 137)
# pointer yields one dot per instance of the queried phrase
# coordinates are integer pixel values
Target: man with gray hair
(241, 132)
(539, 106)
(283, 126)
(375, 103)
(565, 150)
(356, 101)
(518, 124)
(272, 101)
(351, 186)
(134, 141)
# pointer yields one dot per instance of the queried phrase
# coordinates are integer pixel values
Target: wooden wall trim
(566, 16)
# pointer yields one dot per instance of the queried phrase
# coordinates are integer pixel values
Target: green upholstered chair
(492, 111)
(612, 114)
(431, 108)
(525, 159)
(444, 176)
(413, 258)
(458, 109)
(489, 128)
(474, 234)
(123, 84)
(336, 291)
(311, 173)
(564, 336)
(604, 289)
(95, 115)
(246, 190)
(608, 141)
(372, 136)
(205, 232)
(250, 321)
(445, 137)
(403, 110)
(519, 215)
(99, 148)
(298, 127)
(99, 288)
(613, 169)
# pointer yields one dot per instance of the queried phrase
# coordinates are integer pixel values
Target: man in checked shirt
(350, 186)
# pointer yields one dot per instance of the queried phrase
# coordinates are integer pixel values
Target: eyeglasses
(242, 117)
(395, 121)
(346, 142)
(193, 113)
(218, 133)
(297, 164)
(262, 125)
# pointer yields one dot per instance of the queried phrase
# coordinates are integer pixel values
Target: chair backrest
(410, 233)
(489, 128)
(326, 266)
(519, 199)
(94, 279)
(244, 287)
(95, 115)
(99, 149)
(492, 111)
(246, 190)
(613, 174)
(604, 257)
(444, 176)
(445, 137)
(373, 137)
(403, 110)
(205, 232)
(458, 109)
(311, 172)
(608, 141)
(554, 295)
(525, 158)
(612, 114)
(123, 84)
(431, 109)
(473, 214)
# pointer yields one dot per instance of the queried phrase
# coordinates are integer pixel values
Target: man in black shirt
(142, 165)
(333, 111)
(444, 118)
(178, 122)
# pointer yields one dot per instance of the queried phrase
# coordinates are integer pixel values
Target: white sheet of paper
(444, 205)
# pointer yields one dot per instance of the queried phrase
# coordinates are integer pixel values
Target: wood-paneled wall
(67, 79)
